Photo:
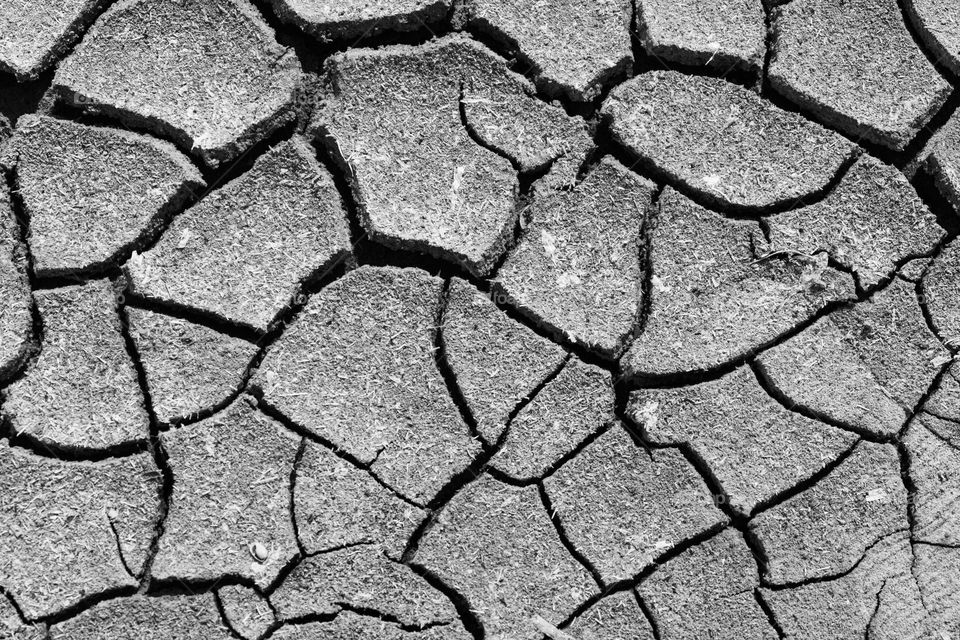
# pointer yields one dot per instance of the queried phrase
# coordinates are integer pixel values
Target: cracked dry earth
(479, 319)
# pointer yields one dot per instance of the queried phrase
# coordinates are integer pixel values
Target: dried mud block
(247, 612)
(189, 368)
(339, 505)
(723, 142)
(568, 410)
(428, 171)
(351, 626)
(855, 65)
(754, 447)
(496, 545)
(73, 530)
(825, 530)
(938, 26)
(230, 508)
(934, 465)
(937, 570)
(361, 578)
(714, 299)
(577, 271)
(575, 49)
(707, 591)
(941, 292)
(870, 224)
(149, 63)
(16, 317)
(93, 195)
(353, 20)
(497, 361)
(147, 618)
(622, 507)
(35, 33)
(879, 598)
(358, 369)
(615, 616)
(723, 35)
(859, 363)
(82, 391)
(243, 251)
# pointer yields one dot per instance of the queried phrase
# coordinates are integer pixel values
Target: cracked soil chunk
(35, 33)
(856, 66)
(496, 361)
(713, 300)
(938, 26)
(150, 63)
(577, 271)
(420, 180)
(16, 317)
(707, 592)
(189, 368)
(568, 410)
(339, 505)
(825, 530)
(872, 222)
(615, 616)
(496, 545)
(65, 525)
(723, 142)
(574, 48)
(941, 291)
(82, 392)
(146, 618)
(622, 507)
(247, 612)
(243, 251)
(879, 599)
(754, 447)
(358, 369)
(230, 507)
(353, 626)
(93, 194)
(723, 35)
(361, 578)
(856, 365)
(935, 471)
(339, 20)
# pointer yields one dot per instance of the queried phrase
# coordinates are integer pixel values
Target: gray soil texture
(479, 320)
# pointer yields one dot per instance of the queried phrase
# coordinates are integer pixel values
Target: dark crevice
(876, 609)
(921, 43)
(85, 603)
(446, 371)
(466, 614)
(22, 98)
(293, 492)
(565, 539)
(769, 45)
(768, 611)
(123, 559)
(648, 614)
(932, 389)
(224, 618)
(925, 184)
(193, 316)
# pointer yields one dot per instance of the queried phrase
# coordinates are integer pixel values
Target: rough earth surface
(479, 320)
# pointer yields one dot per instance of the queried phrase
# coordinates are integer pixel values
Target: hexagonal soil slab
(358, 369)
(230, 508)
(339, 505)
(723, 142)
(361, 578)
(716, 296)
(873, 222)
(754, 447)
(93, 195)
(856, 365)
(722, 35)
(496, 361)
(149, 63)
(82, 391)
(35, 33)
(73, 530)
(242, 253)
(622, 507)
(189, 368)
(16, 317)
(707, 591)
(574, 49)
(146, 618)
(577, 270)
(856, 66)
(496, 545)
(421, 171)
(354, 20)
